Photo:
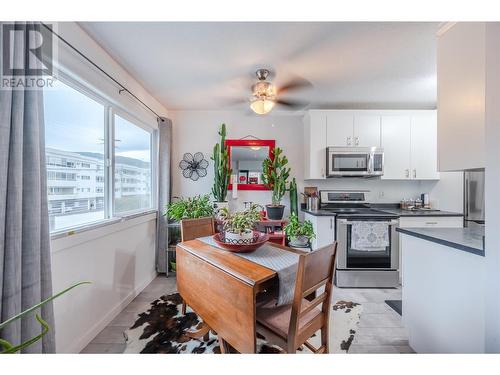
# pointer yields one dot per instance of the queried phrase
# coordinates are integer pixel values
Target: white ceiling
(205, 65)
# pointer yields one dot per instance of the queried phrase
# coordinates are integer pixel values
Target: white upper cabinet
(352, 129)
(366, 130)
(461, 84)
(340, 126)
(315, 145)
(407, 137)
(396, 142)
(409, 141)
(424, 164)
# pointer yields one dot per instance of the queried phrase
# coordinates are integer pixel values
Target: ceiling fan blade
(233, 101)
(294, 84)
(294, 104)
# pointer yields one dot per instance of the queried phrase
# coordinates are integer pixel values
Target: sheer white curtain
(164, 188)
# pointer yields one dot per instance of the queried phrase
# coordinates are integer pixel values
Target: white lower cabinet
(324, 229)
(426, 222)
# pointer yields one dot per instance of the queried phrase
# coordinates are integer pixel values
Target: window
(132, 167)
(77, 128)
(74, 127)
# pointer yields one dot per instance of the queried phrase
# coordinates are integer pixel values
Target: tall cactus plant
(222, 170)
(294, 200)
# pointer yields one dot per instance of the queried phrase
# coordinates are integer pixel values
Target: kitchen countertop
(390, 209)
(400, 212)
(468, 239)
(319, 212)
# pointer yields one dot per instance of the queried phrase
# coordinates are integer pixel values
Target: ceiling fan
(265, 95)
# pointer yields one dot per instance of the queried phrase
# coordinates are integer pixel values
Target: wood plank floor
(380, 329)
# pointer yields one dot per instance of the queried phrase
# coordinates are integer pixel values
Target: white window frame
(152, 152)
(110, 109)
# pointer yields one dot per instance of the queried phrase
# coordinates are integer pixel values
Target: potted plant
(190, 208)
(275, 175)
(222, 171)
(299, 234)
(238, 226)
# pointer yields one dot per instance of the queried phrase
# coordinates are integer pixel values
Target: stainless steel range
(368, 244)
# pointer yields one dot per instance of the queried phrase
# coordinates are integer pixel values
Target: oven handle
(345, 221)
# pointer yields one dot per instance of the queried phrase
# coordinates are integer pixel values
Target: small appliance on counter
(368, 244)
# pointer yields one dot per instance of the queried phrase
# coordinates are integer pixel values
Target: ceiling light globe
(262, 106)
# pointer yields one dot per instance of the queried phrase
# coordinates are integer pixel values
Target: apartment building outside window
(77, 130)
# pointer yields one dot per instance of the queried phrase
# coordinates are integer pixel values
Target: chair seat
(277, 318)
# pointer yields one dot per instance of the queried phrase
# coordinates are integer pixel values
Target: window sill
(88, 232)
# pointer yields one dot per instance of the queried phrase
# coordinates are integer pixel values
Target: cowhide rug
(162, 329)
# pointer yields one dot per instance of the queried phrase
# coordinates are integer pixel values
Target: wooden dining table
(222, 288)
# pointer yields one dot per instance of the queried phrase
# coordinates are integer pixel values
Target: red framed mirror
(245, 158)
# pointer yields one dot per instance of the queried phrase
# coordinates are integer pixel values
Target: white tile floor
(380, 329)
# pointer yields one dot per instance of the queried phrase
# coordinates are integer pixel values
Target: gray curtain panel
(164, 188)
(25, 272)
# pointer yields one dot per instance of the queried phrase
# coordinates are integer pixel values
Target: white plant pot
(238, 238)
(300, 241)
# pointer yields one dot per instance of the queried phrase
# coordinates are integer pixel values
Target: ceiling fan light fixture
(261, 106)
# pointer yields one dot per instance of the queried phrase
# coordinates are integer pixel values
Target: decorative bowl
(258, 240)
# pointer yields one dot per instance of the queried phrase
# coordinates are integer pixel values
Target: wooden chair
(195, 228)
(292, 325)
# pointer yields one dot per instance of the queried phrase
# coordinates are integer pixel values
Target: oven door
(348, 163)
(350, 258)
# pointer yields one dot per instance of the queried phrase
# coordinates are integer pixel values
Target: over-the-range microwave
(354, 161)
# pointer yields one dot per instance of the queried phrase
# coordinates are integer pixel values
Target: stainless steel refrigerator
(474, 197)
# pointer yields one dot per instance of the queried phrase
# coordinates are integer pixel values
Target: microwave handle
(370, 163)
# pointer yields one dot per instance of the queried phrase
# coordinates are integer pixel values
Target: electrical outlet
(381, 194)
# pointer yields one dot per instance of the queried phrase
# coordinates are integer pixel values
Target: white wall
(195, 131)
(119, 258)
(492, 188)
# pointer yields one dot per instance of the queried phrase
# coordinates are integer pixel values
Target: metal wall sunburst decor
(193, 167)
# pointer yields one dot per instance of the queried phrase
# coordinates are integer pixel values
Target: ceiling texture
(208, 65)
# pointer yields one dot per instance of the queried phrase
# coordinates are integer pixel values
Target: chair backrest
(194, 228)
(315, 270)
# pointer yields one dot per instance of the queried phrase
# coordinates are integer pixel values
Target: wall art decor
(193, 167)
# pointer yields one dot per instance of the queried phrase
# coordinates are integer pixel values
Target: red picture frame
(271, 143)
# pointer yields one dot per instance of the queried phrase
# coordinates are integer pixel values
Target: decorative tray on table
(257, 241)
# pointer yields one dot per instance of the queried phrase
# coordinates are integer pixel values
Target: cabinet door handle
(322, 172)
(331, 223)
(349, 141)
(431, 222)
(414, 173)
(407, 173)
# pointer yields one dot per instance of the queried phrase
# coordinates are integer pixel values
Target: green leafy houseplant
(275, 175)
(238, 225)
(299, 234)
(190, 208)
(222, 171)
(9, 348)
